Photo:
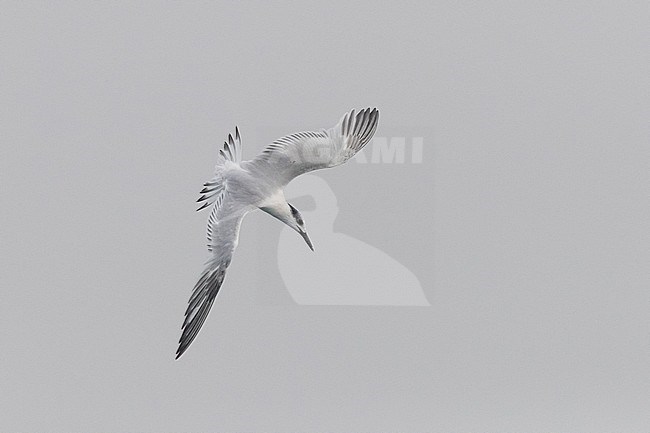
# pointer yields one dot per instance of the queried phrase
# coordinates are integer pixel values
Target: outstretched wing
(223, 235)
(299, 153)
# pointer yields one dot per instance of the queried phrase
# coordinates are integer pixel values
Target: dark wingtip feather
(203, 296)
(369, 123)
(359, 121)
(228, 146)
(206, 204)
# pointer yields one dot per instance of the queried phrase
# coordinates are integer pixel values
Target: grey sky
(526, 222)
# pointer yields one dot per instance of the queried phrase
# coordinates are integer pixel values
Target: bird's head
(298, 224)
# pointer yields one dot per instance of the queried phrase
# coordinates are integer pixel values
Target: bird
(239, 187)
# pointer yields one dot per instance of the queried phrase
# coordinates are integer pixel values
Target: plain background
(527, 222)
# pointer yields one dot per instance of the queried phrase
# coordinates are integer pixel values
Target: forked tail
(231, 152)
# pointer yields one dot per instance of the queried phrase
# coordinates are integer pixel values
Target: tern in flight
(239, 187)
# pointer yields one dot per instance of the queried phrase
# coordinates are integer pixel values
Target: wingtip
(181, 349)
(206, 204)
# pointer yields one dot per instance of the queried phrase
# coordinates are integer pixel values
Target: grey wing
(223, 236)
(299, 153)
